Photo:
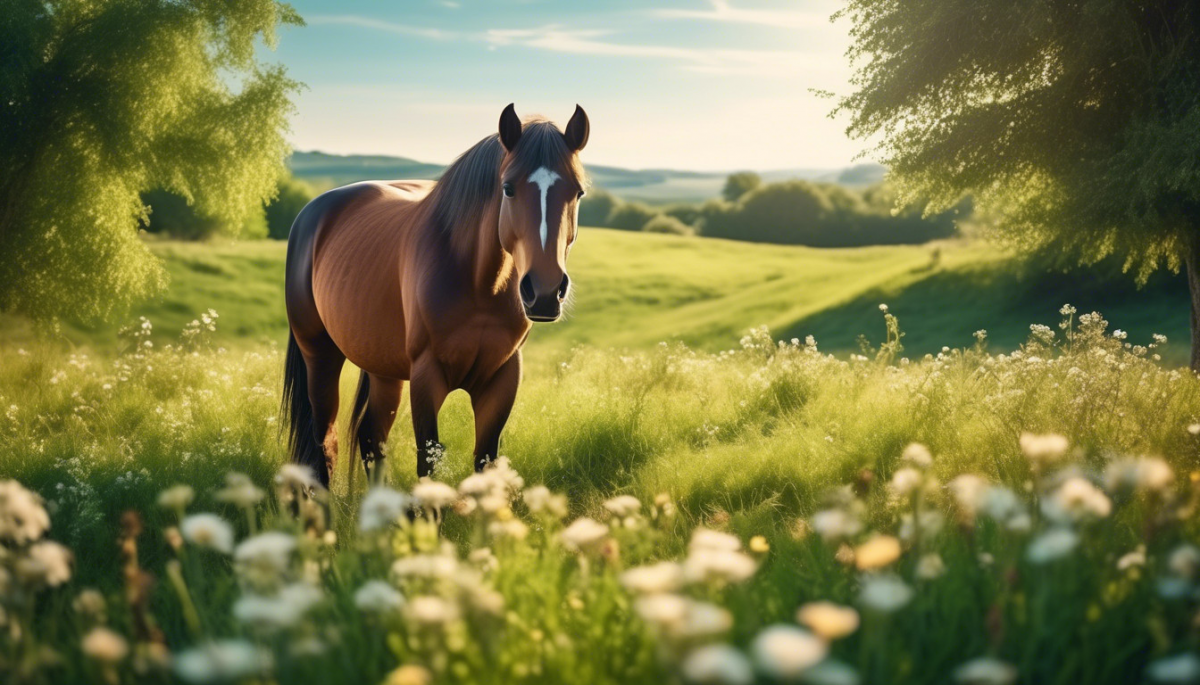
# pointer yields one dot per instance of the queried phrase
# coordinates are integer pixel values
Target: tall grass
(1010, 552)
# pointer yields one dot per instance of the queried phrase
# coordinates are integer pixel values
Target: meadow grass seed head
(23, 518)
(209, 531)
(664, 576)
(717, 664)
(884, 593)
(623, 505)
(104, 645)
(222, 660)
(786, 652)
(1052, 545)
(584, 534)
(381, 507)
(830, 621)
(176, 497)
(1181, 669)
(878, 552)
(985, 671)
(378, 597)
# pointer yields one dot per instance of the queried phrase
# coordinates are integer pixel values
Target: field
(712, 486)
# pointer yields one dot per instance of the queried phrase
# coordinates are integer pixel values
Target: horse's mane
(472, 181)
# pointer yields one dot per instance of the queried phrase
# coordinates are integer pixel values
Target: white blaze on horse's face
(543, 178)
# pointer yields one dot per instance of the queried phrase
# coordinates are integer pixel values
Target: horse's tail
(357, 417)
(296, 410)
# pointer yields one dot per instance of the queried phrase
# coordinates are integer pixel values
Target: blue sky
(686, 84)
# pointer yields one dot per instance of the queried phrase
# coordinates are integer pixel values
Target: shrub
(630, 216)
(667, 224)
(596, 207)
(292, 196)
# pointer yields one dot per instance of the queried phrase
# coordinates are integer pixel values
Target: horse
(437, 284)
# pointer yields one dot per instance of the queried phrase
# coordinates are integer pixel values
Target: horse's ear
(510, 127)
(577, 130)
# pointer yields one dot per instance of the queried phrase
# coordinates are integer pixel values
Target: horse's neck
(491, 265)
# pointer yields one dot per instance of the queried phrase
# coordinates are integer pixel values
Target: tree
(102, 101)
(1075, 123)
(737, 185)
(664, 223)
(630, 216)
(288, 202)
(595, 208)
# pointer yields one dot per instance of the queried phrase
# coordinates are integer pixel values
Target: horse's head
(542, 182)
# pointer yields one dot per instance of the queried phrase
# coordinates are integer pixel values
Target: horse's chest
(473, 353)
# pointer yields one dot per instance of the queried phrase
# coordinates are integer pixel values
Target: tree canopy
(737, 185)
(1075, 123)
(102, 101)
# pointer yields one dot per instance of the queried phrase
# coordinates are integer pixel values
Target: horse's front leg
(493, 402)
(427, 391)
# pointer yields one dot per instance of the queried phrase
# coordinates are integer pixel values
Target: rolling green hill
(634, 290)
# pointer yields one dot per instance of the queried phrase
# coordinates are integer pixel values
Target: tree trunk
(1191, 260)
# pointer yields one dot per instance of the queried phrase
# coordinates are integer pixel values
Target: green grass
(635, 290)
(756, 441)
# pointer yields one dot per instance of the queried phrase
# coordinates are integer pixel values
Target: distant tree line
(789, 212)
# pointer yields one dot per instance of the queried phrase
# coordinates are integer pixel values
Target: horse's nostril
(564, 287)
(528, 295)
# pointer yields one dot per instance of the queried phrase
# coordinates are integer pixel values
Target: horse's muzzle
(543, 305)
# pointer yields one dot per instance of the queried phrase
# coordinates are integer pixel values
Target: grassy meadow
(724, 500)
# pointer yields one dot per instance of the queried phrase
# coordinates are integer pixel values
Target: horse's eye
(508, 190)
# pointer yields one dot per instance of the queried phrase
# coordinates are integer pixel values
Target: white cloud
(722, 11)
(378, 25)
(714, 60)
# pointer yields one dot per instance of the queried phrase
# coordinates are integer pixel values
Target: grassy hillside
(634, 290)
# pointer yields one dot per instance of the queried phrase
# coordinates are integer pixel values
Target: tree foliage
(102, 101)
(1075, 123)
(288, 202)
(737, 185)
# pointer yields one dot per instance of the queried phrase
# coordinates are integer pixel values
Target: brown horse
(433, 283)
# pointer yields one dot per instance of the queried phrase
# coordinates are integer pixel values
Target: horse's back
(343, 270)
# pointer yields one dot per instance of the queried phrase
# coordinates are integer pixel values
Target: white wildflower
(584, 534)
(1076, 499)
(665, 576)
(433, 495)
(1182, 669)
(221, 661)
(831, 672)
(240, 491)
(47, 562)
(279, 611)
(378, 597)
(884, 593)
(835, 524)
(786, 652)
(177, 497)
(918, 455)
(22, 517)
(429, 610)
(1042, 449)
(297, 477)
(714, 565)
(382, 507)
(667, 611)
(623, 505)
(104, 645)
(705, 539)
(876, 553)
(1184, 561)
(930, 566)
(264, 559)
(208, 530)
(717, 664)
(905, 482)
(1134, 559)
(830, 621)
(985, 671)
(1052, 545)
